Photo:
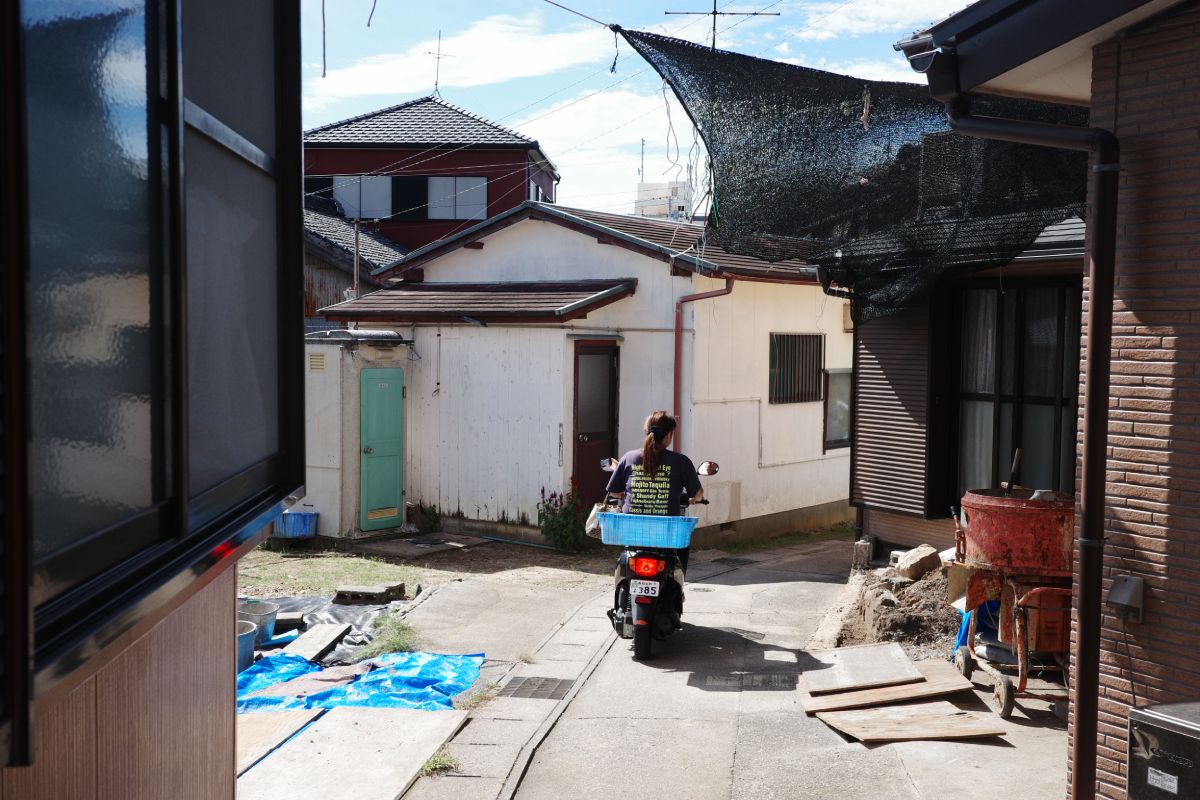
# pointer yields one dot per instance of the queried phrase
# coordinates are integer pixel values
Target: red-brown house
(425, 169)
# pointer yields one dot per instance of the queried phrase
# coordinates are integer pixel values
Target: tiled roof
(529, 301)
(663, 239)
(424, 121)
(334, 230)
(682, 236)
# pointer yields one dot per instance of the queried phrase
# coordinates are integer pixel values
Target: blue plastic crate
(296, 525)
(644, 530)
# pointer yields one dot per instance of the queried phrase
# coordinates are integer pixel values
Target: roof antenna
(715, 13)
(437, 70)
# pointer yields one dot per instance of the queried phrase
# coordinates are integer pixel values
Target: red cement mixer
(1018, 548)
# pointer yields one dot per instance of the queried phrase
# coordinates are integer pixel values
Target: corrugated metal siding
(909, 531)
(891, 388)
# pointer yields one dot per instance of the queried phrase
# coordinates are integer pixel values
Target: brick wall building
(1146, 90)
(1137, 65)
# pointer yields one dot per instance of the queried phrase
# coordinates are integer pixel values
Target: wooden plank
(941, 678)
(318, 640)
(863, 667)
(936, 720)
(363, 753)
(259, 734)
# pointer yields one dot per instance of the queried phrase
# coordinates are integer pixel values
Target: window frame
(454, 196)
(837, 444)
(75, 612)
(801, 388)
(1012, 290)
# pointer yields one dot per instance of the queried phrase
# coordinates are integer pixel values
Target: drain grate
(768, 681)
(427, 540)
(701, 589)
(537, 688)
(734, 562)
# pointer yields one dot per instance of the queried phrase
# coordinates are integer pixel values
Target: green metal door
(381, 440)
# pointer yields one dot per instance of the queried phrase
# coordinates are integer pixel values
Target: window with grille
(796, 367)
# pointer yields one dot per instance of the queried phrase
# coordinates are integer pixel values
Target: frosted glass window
(364, 196)
(233, 340)
(595, 393)
(975, 445)
(978, 341)
(94, 407)
(441, 198)
(837, 410)
(1041, 342)
(470, 198)
(458, 198)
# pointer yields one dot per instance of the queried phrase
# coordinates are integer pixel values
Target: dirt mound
(914, 613)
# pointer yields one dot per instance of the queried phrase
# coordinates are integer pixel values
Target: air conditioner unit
(1163, 755)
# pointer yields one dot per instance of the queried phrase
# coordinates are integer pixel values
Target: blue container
(644, 530)
(296, 525)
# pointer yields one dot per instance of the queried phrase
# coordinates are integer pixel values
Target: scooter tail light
(646, 567)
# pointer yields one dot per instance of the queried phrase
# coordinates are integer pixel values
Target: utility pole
(357, 217)
(437, 70)
(715, 13)
(642, 171)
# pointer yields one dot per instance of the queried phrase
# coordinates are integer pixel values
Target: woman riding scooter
(653, 480)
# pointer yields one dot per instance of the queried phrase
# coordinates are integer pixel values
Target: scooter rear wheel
(642, 641)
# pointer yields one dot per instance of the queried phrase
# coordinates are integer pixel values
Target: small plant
(439, 763)
(392, 635)
(429, 519)
(477, 697)
(525, 658)
(561, 518)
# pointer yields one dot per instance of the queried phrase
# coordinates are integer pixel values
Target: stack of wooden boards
(866, 693)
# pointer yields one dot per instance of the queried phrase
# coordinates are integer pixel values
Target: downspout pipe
(687, 298)
(1101, 266)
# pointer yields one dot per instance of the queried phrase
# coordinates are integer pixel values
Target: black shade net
(863, 178)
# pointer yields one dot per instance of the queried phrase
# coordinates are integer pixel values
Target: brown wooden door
(596, 366)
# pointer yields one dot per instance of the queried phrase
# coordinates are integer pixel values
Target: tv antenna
(437, 70)
(715, 13)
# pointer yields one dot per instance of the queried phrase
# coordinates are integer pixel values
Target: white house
(535, 343)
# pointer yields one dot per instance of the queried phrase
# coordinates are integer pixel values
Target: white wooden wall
(770, 455)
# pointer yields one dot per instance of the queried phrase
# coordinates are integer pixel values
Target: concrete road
(714, 714)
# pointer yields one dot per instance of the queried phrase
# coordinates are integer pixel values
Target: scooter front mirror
(709, 468)
(608, 464)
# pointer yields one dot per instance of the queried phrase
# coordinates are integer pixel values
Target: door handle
(583, 437)
(368, 450)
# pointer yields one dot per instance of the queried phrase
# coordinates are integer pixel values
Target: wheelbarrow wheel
(964, 660)
(1003, 696)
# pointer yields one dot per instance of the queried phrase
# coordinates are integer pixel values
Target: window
(837, 408)
(410, 196)
(364, 196)
(796, 364)
(458, 198)
(319, 186)
(154, 409)
(1017, 385)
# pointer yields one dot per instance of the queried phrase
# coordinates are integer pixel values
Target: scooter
(648, 584)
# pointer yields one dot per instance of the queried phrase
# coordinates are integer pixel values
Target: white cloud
(783, 48)
(872, 70)
(831, 20)
(492, 50)
(596, 145)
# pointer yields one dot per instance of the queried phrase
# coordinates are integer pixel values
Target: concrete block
(862, 555)
(383, 593)
(917, 562)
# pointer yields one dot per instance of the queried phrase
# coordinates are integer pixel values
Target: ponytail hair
(659, 426)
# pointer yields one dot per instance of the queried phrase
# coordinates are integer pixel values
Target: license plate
(643, 588)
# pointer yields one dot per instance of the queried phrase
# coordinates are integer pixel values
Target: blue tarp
(989, 623)
(426, 681)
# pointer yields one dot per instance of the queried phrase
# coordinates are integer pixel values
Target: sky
(546, 73)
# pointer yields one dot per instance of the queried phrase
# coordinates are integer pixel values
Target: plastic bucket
(246, 631)
(296, 525)
(261, 614)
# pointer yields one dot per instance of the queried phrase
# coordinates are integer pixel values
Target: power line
(578, 13)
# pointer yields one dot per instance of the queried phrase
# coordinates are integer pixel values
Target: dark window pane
(795, 369)
(975, 445)
(233, 382)
(410, 193)
(1008, 341)
(93, 367)
(1041, 342)
(319, 187)
(1037, 446)
(595, 393)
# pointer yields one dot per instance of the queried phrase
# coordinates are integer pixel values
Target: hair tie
(656, 432)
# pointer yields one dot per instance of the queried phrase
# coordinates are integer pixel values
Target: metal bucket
(263, 615)
(1017, 534)
(246, 632)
